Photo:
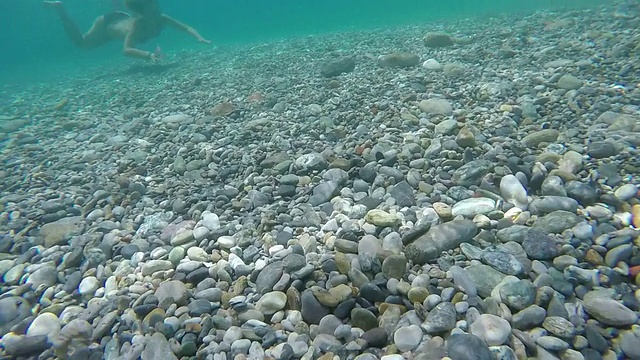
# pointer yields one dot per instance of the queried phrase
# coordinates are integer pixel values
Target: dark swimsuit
(115, 16)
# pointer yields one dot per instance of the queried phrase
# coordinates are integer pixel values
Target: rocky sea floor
(462, 190)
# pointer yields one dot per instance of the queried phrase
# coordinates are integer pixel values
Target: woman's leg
(94, 37)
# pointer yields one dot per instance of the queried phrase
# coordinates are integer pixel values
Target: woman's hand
(204, 41)
(153, 58)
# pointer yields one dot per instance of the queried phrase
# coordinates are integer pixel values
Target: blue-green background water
(34, 47)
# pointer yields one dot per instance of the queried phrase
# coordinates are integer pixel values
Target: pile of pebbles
(470, 193)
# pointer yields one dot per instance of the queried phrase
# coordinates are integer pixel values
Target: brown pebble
(635, 216)
(593, 257)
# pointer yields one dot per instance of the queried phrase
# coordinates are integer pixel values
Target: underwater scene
(320, 180)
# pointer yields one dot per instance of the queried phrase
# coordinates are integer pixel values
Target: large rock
(436, 106)
(337, 66)
(440, 238)
(435, 40)
(399, 59)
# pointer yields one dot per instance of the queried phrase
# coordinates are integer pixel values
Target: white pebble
(226, 242)
(407, 338)
(45, 324)
(200, 233)
(197, 254)
(88, 285)
(512, 191)
(492, 329)
(210, 221)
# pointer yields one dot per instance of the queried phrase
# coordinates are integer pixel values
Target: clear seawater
(34, 49)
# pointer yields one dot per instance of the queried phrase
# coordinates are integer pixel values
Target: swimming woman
(145, 24)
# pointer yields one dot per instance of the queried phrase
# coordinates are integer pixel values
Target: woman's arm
(131, 51)
(168, 20)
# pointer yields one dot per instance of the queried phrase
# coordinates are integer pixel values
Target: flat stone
(440, 238)
(467, 346)
(630, 345)
(608, 311)
(518, 295)
(46, 324)
(153, 266)
(539, 246)
(472, 207)
(485, 278)
(559, 327)
(407, 338)
(58, 232)
(441, 318)
(173, 291)
(46, 275)
(529, 318)
(271, 302)
(492, 329)
(158, 348)
(394, 267)
(436, 106)
(381, 218)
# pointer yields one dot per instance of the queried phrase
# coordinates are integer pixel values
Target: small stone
(381, 218)
(45, 324)
(467, 346)
(312, 310)
(158, 347)
(272, 302)
(569, 82)
(417, 295)
(363, 319)
(519, 294)
(559, 326)
(473, 206)
(197, 254)
(88, 285)
(630, 345)
(492, 329)
(153, 266)
(552, 343)
(539, 246)
(173, 291)
(512, 190)
(528, 318)
(626, 192)
(441, 318)
(394, 266)
(542, 136)
(407, 338)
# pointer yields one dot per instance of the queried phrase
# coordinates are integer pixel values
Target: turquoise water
(36, 48)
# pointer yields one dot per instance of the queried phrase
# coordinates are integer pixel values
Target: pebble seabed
(465, 193)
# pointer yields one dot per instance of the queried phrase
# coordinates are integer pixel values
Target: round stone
(88, 285)
(271, 302)
(407, 338)
(197, 254)
(418, 294)
(492, 329)
(45, 324)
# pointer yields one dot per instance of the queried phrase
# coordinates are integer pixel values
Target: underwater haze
(35, 48)
(337, 179)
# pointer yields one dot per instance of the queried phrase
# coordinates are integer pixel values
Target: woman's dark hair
(140, 6)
